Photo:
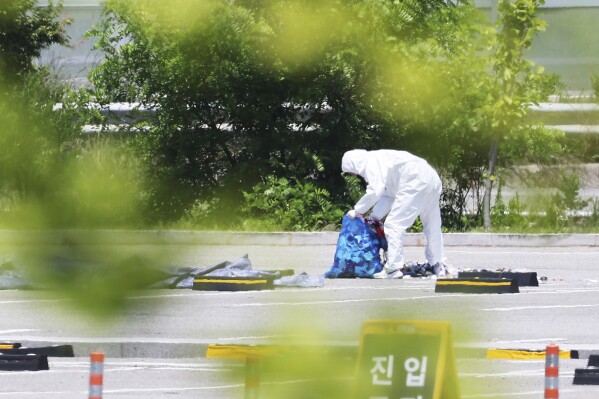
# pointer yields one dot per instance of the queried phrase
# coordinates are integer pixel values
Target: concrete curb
(188, 237)
(128, 348)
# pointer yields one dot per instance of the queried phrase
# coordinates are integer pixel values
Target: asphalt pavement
(157, 346)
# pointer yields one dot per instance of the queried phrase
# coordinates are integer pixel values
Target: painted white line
(542, 340)
(539, 307)
(516, 373)
(258, 337)
(278, 291)
(116, 391)
(243, 305)
(159, 296)
(559, 291)
(523, 251)
(532, 394)
(32, 301)
(502, 395)
(146, 364)
(141, 368)
(17, 331)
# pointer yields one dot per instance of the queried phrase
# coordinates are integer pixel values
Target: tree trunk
(489, 184)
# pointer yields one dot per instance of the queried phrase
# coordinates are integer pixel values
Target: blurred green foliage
(54, 179)
(51, 176)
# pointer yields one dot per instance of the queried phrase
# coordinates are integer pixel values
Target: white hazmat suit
(402, 187)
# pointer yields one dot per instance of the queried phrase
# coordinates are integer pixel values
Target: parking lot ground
(156, 346)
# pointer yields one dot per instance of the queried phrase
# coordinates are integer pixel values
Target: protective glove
(352, 214)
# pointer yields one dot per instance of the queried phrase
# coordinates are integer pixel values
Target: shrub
(290, 205)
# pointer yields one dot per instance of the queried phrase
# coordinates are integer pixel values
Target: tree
(251, 89)
(27, 140)
(515, 84)
(25, 30)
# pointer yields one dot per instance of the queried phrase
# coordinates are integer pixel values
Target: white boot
(388, 273)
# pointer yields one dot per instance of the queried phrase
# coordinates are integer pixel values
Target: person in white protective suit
(400, 186)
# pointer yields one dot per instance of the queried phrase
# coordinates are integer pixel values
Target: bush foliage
(254, 97)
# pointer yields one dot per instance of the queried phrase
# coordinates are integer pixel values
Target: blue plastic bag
(358, 251)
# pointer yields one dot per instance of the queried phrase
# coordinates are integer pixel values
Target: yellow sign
(406, 360)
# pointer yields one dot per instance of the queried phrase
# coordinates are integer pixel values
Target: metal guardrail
(122, 114)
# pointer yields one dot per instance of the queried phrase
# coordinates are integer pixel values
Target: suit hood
(355, 161)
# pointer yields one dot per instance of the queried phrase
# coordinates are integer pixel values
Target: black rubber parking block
(588, 376)
(30, 362)
(593, 361)
(478, 285)
(525, 279)
(217, 283)
(52, 351)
